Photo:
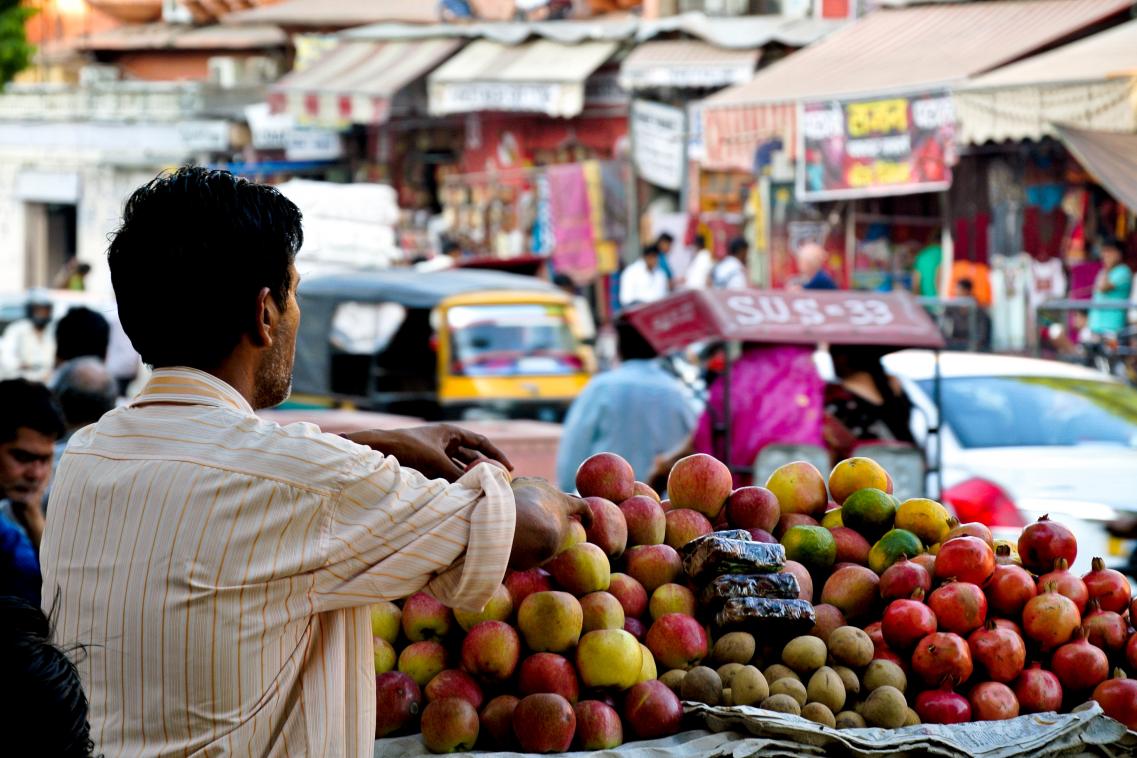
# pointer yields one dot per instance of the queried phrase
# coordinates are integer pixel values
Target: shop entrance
(50, 234)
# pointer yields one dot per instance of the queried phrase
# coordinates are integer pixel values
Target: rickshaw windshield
(524, 339)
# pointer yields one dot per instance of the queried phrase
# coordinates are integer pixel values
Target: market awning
(342, 14)
(783, 317)
(1091, 83)
(537, 77)
(163, 36)
(685, 63)
(892, 51)
(355, 82)
(1111, 157)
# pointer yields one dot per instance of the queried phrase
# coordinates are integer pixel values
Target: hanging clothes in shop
(979, 274)
(1047, 281)
(1010, 287)
(1006, 199)
(571, 214)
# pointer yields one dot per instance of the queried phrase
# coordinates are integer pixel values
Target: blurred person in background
(73, 276)
(43, 709)
(1113, 285)
(643, 281)
(85, 390)
(81, 333)
(30, 425)
(926, 270)
(664, 243)
(866, 403)
(730, 272)
(698, 275)
(811, 267)
(27, 347)
(637, 410)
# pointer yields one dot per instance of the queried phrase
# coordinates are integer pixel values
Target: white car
(1056, 438)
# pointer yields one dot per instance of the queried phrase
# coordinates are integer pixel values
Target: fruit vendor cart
(890, 321)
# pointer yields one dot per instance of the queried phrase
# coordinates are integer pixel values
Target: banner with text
(872, 148)
(659, 143)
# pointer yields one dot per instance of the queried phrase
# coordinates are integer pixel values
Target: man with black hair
(643, 281)
(730, 272)
(43, 709)
(30, 424)
(225, 600)
(637, 410)
(81, 332)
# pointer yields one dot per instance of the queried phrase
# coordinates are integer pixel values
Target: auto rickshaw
(891, 321)
(441, 345)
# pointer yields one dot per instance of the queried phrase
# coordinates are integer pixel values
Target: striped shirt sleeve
(391, 532)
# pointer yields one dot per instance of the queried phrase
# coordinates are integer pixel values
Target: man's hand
(435, 450)
(30, 516)
(543, 515)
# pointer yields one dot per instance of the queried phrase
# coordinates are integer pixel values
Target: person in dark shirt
(866, 404)
(811, 263)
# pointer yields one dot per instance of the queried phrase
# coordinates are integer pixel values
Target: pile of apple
(605, 641)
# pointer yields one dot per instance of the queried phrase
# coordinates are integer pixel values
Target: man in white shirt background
(643, 281)
(730, 272)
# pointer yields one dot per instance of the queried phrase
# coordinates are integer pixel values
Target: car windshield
(1038, 411)
(524, 339)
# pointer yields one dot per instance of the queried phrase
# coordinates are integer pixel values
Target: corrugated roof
(338, 13)
(685, 63)
(911, 48)
(1102, 56)
(1110, 156)
(162, 36)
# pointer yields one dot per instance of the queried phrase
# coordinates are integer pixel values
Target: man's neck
(238, 377)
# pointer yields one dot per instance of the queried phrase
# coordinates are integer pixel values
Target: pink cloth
(571, 215)
(776, 397)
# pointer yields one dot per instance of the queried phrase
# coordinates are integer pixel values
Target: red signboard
(782, 317)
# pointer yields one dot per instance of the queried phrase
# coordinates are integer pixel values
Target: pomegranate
(1131, 652)
(1110, 588)
(885, 654)
(1106, 629)
(906, 622)
(967, 559)
(873, 630)
(1118, 698)
(1079, 665)
(942, 655)
(993, 701)
(1067, 584)
(1050, 618)
(1044, 542)
(1006, 554)
(1009, 590)
(902, 578)
(971, 529)
(927, 560)
(1038, 690)
(1008, 624)
(943, 706)
(960, 607)
(1000, 651)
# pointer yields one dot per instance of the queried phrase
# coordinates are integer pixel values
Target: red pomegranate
(943, 706)
(1008, 624)
(1044, 542)
(902, 578)
(971, 529)
(1131, 652)
(1106, 629)
(906, 622)
(1110, 588)
(1079, 665)
(966, 559)
(960, 607)
(873, 630)
(941, 655)
(928, 561)
(1050, 618)
(993, 701)
(1038, 690)
(1067, 583)
(1000, 651)
(886, 654)
(1009, 590)
(1118, 698)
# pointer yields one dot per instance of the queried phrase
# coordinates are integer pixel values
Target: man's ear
(266, 318)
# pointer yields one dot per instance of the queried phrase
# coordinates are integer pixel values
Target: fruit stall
(815, 615)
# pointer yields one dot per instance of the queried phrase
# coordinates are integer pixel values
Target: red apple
(497, 722)
(601, 611)
(450, 725)
(636, 628)
(397, 702)
(630, 593)
(761, 535)
(454, 683)
(653, 565)
(652, 710)
(606, 475)
(424, 618)
(522, 584)
(544, 723)
(646, 522)
(644, 489)
(677, 641)
(700, 482)
(422, 661)
(753, 508)
(581, 569)
(549, 672)
(598, 726)
(491, 650)
(684, 525)
(609, 530)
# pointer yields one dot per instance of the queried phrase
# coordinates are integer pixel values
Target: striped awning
(540, 76)
(686, 63)
(1111, 158)
(894, 51)
(355, 82)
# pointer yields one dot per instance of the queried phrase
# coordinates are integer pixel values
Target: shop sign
(496, 96)
(312, 145)
(659, 143)
(269, 130)
(875, 147)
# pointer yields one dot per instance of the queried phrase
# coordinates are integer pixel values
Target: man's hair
(664, 237)
(700, 240)
(194, 249)
(738, 245)
(564, 281)
(31, 405)
(964, 285)
(630, 343)
(450, 246)
(43, 709)
(650, 250)
(1111, 242)
(86, 390)
(81, 332)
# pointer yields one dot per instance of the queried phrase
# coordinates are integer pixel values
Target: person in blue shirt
(811, 264)
(1113, 285)
(637, 410)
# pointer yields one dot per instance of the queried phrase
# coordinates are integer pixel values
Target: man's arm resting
(543, 515)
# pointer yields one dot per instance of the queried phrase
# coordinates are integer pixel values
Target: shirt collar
(188, 386)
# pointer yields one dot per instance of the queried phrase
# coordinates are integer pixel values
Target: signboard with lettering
(870, 148)
(892, 319)
(659, 143)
